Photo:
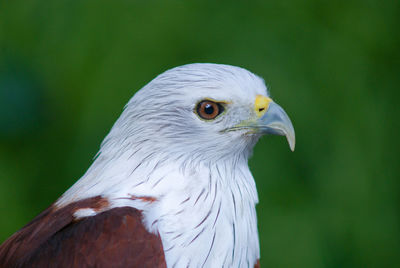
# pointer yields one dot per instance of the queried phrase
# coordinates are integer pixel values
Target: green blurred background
(68, 67)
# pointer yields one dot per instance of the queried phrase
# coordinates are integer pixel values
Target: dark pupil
(209, 109)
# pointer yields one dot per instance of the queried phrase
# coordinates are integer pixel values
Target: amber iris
(209, 110)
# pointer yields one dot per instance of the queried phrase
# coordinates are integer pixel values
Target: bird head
(200, 111)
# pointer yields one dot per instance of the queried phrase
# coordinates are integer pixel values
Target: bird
(170, 185)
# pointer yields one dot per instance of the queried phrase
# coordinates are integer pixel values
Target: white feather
(206, 195)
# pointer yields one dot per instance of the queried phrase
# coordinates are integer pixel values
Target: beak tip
(292, 147)
(275, 121)
(292, 142)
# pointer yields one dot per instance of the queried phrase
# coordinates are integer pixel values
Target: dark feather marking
(155, 167)
(234, 203)
(212, 205)
(197, 235)
(202, 192)
(240, 192)
(234, 241)
(177, 236)
(180, 212)
(135, 152)
(245, 185)
(184, 201)
(135, 169)
(140, 183)
(158, 181)
(219, 173)
(94, 185)
(145, 159)
(154, 222)
(206, 196)
(208, 214)
(209, 183)
(169, 248)
(113, 238)
(209, 251)
(219, 209)
(125, 139)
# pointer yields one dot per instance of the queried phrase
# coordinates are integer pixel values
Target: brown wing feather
(114, 238)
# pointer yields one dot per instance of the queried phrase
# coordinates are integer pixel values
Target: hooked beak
(275, 121)
(270, 119)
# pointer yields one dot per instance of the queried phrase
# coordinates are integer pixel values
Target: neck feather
(204, 212)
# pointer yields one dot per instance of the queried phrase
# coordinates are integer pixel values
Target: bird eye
(208, 110)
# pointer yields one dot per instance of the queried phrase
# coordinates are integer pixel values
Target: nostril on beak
(261, 104)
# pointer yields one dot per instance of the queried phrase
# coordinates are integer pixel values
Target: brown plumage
(165, 151)
(113, 238)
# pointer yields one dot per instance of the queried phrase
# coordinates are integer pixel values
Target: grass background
(68, 67)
